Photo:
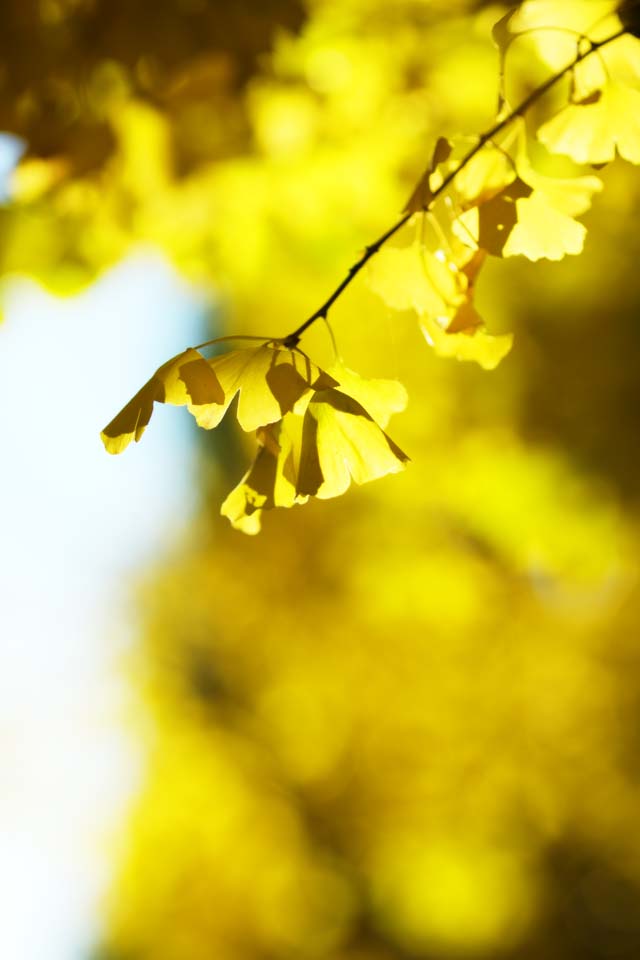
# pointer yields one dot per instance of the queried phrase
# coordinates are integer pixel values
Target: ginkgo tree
(516, 191)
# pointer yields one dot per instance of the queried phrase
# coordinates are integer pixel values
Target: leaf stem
(235, 336)
(321, 313)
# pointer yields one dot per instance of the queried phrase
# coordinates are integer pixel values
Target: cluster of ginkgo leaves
(317, 430)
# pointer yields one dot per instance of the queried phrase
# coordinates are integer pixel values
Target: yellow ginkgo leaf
(270, 380)
(415, 278)
(341, 442)
(380, 398)
(244, 505)
(475, 344)
(267, 483)
(498, 216)
(484, 176)
(318, 450)
(592, 132)
(554, 27)
(543, 231)
(534, 215)
(185, 380)
(581, 16)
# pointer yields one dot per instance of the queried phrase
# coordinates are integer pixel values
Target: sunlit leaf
(557, 25)
(318, 450)
(265, 485)
(185, 380)
(484, 176)
(592, 132)
(502, 31)
(270, 381)
(380, 398)
(475, 344)
(244, 505)
(534, 215)
(414, 277)
(341, 442)
(543, 231)
(498, 217)
(466, 319)
(503, 35)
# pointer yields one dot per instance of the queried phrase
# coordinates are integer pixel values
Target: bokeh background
(401, 724)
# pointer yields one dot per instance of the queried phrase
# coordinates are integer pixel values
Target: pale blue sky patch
(76, 525)
(11, 149)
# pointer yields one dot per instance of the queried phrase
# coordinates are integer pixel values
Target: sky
(77, 524)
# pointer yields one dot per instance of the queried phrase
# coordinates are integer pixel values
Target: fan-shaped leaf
(341, 442)
(185, 380)
(380, 398)
(415, 278)
(265, 485)
(592, 132)
(266, 391)
(473, 343)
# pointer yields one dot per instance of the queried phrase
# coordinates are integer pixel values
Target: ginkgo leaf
(380, 398)
(498, 217)
(474, 344)
(556, 25)
(341, 442)
(265, 485)
(423, 192)
(484, 176)
(502, 32)
(592, 132)
(318, 450)
(545, 226)
(534, 215)
(270, 380)
(543, 231)
(244, 505)
(466, 319)
(503, 35)
(414, 277)
(186, 379)
(488, 223)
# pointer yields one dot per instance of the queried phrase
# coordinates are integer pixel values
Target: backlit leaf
(543, 231)
(264, 486)
(556, 25)
(545, 226)
(483, 177)
(502, 31)
(270, 380)
(185, 380)
(319, 448)
(341, 442)
(475, 345)
(534, 215)
(380, 398)
(414, 277)
(498, 217)
(592, 132)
